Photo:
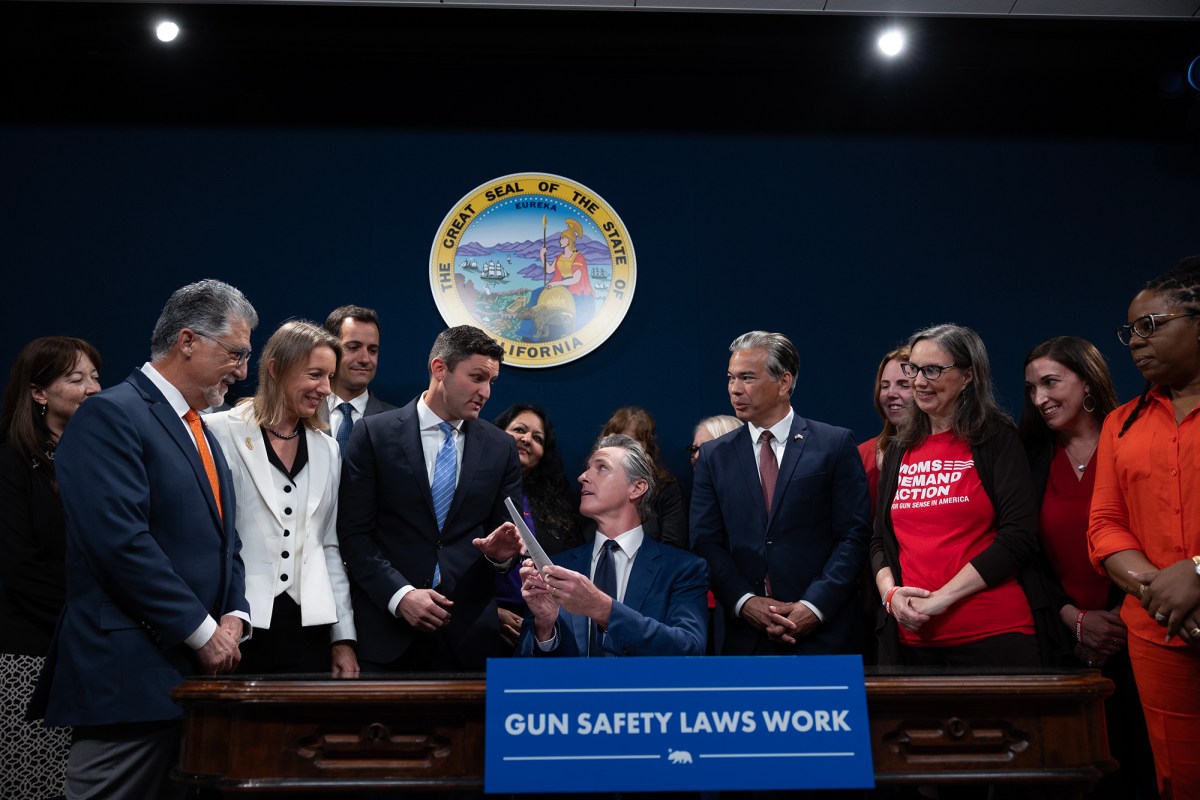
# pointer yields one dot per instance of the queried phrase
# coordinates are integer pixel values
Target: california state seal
(540, 262)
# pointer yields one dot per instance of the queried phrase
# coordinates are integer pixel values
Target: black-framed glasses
(1145, 326)
(238, 355)
(692, 449)
(931, 371)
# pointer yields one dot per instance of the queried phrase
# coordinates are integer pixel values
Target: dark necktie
(343, 431)
(606, 581)
(768, 468)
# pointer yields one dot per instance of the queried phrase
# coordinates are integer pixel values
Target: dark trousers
(286, 646)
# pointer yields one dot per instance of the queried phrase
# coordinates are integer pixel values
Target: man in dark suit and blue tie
(780, 511)
(155, 585)
(421, 487)
(642, 598)
(357, 328)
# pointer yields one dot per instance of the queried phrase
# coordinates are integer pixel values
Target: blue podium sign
(676, 724)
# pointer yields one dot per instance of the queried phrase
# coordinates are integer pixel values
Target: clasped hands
(221, 654)
(429, 609)
(785, 623)
(1171, 596)
(913, 606)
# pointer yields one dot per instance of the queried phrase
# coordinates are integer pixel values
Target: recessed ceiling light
(166, 31)
(891, 42)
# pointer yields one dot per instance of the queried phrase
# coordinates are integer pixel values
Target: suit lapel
(255, 460)
(579, 560)
(797, 438)
(319, 466)
(410, 442)
(473, 445)
(743, 451)
(643, 574)
(177, 429)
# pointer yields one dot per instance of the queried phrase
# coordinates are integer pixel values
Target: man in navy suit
(421, 487)
(357, 328)
(155, 585)
(780, 511)
(655, 601)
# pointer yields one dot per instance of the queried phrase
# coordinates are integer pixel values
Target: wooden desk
(247, 735)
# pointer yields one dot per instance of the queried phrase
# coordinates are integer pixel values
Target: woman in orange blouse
(1144, 529)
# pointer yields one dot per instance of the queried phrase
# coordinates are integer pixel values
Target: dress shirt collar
(359, 404)
(781, 430)
(430, 420)
(629, 542)
(174, 397)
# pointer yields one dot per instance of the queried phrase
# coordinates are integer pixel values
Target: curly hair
(546, 485)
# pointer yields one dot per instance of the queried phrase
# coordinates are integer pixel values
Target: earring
(1086, 398)
(43, 409)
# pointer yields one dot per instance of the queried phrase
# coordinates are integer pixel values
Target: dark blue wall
(847, 245)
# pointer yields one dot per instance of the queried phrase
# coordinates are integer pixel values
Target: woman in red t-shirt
(956, 519)
(1068, 393)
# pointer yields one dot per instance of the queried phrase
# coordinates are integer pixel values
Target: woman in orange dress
(570, 269)
(1144, 528)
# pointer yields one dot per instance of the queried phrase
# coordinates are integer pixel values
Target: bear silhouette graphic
(679, 756)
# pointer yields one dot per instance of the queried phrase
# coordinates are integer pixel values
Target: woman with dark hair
(1068, 393)
(1144, 529)
(51, 377)
(286, 475)
(548, 505)
(667, 522)
(893, 398)
(956, 520)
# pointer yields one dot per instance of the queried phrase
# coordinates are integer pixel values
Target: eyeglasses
(931, 371)
(238, 355)
(692, 449)
(1147, 325)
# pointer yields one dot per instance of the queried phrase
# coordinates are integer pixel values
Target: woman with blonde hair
(708, 429)
(286, 474)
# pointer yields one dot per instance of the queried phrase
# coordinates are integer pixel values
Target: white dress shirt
(358, 408)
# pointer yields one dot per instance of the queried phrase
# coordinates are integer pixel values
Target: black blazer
(389, 535)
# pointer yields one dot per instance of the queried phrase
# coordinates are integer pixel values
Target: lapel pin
(798, 437)
(249, 444)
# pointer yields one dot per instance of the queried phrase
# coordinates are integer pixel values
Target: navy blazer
(148, 558)
(665, 612)
(389, 535)
(815, 539)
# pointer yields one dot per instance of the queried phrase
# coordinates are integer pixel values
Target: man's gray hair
(782, 356)
(638, 467)
(207, 306)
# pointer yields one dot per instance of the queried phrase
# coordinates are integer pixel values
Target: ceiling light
(891, 42)
(166, 31)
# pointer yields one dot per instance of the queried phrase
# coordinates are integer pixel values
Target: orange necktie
(210, 467)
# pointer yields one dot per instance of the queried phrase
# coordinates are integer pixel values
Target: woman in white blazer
(286, 475)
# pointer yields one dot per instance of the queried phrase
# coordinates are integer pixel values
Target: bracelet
(1079, 626)
(887, 601)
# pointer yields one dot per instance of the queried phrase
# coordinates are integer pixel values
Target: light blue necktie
(445, 469)
(343, 431)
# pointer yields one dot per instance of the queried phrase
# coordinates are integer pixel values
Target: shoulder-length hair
(638, 423)
(1081, 357)
(546, 484)
(977, 415)
(40, 363)
(889, 430)
(287, 351)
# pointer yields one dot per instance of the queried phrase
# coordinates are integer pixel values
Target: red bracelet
(887, 601)
(1079, 626)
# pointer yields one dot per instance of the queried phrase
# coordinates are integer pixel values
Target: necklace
(1079, 463)
(284, 436)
